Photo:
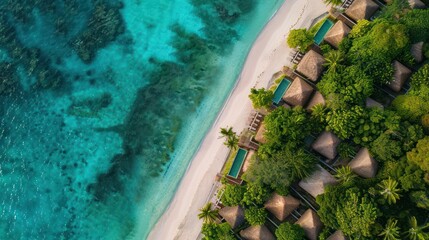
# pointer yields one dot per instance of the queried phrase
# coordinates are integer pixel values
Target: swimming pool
(238, 163)
(327, 24)
(280, 90)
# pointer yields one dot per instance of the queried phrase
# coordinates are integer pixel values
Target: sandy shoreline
(267, 56)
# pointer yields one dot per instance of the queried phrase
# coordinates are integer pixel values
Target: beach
(267, 56)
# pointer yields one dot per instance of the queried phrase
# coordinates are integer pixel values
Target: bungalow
(364, 164)
(311, 224)
(298, 93)
(371, 103)
(337, 33)
(400, 76)
(259, 232)
(234, 216)
(326, 144)
(315, 183)
(311, 65)
(361, 9)
(281, 206)
(417, 51)
(259, 137)
(315, 100)
(338, 235)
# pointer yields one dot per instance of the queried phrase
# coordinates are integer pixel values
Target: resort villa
(297, 86)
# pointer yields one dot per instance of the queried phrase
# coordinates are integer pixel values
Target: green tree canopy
(255, 194)
(281, 170)
(232, 195)
(299, 38)
(255, 216)
(213, 231)
(287, 126)
(420, 154)
(208, 214)
(261, 98)
(411, 107)
(391, 230)
(417, 23)
(348, 209)
(289, 231)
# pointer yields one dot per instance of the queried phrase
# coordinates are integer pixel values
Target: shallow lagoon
(103, 106)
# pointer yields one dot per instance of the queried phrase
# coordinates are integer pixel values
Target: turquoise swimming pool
(327, 24)
(280, 90)
(238, 163)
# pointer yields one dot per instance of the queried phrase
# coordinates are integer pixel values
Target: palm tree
(389, 190)
(232, 142)
(207, 214)
(333, 2)
(345, 174)
(334, 59)
(227, 132)
(391, 231)
(416, 232)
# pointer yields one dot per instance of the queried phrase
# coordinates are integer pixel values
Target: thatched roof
(337, 33)
(417, 51)
(371, 103)
(311, 224)
(338, 235)
(316, 182)
(259, 232)
(311, 65)
(281, 206)
(316, 99)
(260, 134)
(326, 144)
(361, 9)
(416, 4)
(400, 76)
(249, 156)
(233, 215)
(298, 93)
(363, 164)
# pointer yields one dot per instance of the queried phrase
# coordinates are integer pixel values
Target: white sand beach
(267, 56)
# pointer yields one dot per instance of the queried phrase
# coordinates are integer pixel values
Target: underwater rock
(89, 107)
(8, 79)
(104, 25)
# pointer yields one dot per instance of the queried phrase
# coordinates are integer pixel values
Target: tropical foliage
(288, 231)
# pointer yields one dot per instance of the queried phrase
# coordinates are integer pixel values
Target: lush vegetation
(395, 203)
(288, 231)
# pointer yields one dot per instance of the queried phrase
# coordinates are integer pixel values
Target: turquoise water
(104, 103)
(280, 90)
(327, 24)
(238, 162)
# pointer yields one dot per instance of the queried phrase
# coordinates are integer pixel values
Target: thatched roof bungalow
(311, 65)
(259, 232)
(281, 206)
(311, 224)
(234, 216)
(315, 183)
(416, 4)
(337, 33)
(364, 164)
(371, 103)
(246, 163)
(400, 76)
(315, 100)
(259, 137)
(298, 93)
(326, 144)
(361, 9)
(417, 51)
(338, 235)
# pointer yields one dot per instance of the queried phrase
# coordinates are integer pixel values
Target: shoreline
(268, 54)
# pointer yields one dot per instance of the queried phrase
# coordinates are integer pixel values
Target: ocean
(103, 103)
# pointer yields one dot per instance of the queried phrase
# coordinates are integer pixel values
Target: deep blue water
(103, 104)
